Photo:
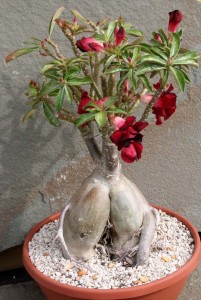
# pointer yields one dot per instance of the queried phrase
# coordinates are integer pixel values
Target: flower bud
(175, 18)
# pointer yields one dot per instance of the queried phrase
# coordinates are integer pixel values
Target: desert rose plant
(112, 75)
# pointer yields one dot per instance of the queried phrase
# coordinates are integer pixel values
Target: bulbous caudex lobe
(107, 195)
(86, 218)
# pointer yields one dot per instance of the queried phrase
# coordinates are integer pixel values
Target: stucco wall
(32, 154)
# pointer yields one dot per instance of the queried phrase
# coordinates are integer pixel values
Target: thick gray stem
(110, 164)
(93, 148)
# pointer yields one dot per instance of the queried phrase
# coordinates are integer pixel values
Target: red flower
(175, 18)
(90, 44)
(165, 105)
(85, 99)
(119, 35)
(128, 138)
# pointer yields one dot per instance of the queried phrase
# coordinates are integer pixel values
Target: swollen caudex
(101, 199)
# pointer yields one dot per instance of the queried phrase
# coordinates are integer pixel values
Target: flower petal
(119, 35)
(128, 122)
(129, 153)
(116, 137)
(138, 126)
(83, 102)
(118, 122)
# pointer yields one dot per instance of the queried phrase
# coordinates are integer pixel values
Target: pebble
(82, 272)
(172, 248)
(144, 279)
(166, 259)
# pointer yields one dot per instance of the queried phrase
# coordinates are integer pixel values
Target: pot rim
(92, 293)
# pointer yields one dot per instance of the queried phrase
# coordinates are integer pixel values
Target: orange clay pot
(166, 288)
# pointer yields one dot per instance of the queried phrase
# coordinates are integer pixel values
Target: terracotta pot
(166, 288)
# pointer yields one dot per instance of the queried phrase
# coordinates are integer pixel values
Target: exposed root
(156, 215)
(125, 256)
(106, 237)
(146, 238)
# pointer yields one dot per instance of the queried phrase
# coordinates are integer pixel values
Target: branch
(91, 144)
(84, 68)
(151, 103)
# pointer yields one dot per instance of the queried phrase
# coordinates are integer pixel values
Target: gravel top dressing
(172, 248)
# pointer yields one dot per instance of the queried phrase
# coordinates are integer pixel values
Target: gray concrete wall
(35, 155)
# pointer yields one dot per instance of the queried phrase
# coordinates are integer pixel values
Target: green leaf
(29, 114)
(60, 99)
(80, 81)
(69, 95)
(179, 77)
(136, 51)
(132, 79)
(50, 115)
(92, 104)
(146, 82)
(136, 33)
(110, 30)
(159, 52)
(50, 87)
(32, 91)
(189, 62)
(175, 44)
(55, 16)
(188, 58)
(53, 74)
(47, 67)
(119, 69)
(180, 32)
(15, 54)
(145, 47)
(165, 78)
(110, 101)
(101, 118)
(121, 80)
(148, 68)
(116, 110)
(84, 118)
(187, 79)
(108, 62)
(78, 16)
(72, 71)
(163, 37)
(152, 59)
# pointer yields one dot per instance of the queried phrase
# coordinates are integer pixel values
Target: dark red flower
(85, 99)
(90, 44)
(128, 138)
(165, 105)
(119, 35)
(175, 18)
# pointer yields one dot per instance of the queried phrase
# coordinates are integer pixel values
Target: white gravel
(172, 248)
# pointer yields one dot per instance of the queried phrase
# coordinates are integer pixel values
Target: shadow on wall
(28, 151)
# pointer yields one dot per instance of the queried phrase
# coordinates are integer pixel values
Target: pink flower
(90, 44)
(128, 138)
(126, 86)
(85, 99)
(119, 35)
(118, 122)
(175, 18)
(146, 98)
(165, 105)
(158, 38)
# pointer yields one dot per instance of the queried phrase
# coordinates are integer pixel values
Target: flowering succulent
(112, 72)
